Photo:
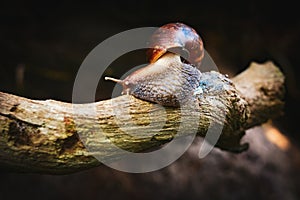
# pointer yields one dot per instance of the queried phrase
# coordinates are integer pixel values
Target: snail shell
(177, 38)
(167, 80)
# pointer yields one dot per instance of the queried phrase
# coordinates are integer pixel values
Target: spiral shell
(177, 38)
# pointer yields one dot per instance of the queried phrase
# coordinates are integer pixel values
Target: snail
(172, 75)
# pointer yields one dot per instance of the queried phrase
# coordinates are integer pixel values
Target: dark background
(49, 40)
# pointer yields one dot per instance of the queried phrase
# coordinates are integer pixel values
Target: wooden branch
(49, 137)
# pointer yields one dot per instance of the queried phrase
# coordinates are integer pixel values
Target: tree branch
(49, 137)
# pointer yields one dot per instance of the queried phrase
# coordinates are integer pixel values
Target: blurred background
(43, 44)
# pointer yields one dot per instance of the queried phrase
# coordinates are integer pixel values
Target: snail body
(167, 80)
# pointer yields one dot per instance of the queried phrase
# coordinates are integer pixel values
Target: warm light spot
(276, 137)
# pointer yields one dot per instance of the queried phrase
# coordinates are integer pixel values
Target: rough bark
(52, 137)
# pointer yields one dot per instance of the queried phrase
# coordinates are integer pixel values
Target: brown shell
(177, 38)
